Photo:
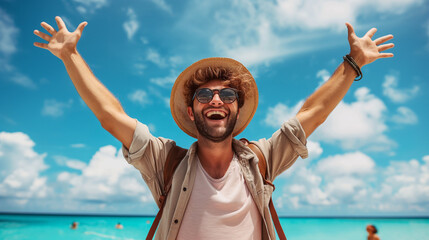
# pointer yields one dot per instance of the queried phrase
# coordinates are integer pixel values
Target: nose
(216, 101)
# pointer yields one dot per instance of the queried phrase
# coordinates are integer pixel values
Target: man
(217, 191)
(372, 232)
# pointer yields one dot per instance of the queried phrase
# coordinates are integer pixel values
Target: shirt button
(176, 221)
(184, 189)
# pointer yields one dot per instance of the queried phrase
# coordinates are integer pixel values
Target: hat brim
(178, 104)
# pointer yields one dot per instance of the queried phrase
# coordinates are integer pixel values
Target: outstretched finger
(384, 47)
(81, 26)
(385, 55)
(48, 28)
(371, 32)
(42, 35)
(350, 30)
(383, 39)
(41, 45)
(60, 23)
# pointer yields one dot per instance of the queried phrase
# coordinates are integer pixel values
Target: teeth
(211, 113)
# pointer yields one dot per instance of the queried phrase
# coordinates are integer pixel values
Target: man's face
(215, 120)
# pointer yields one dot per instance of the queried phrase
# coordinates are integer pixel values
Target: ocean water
(50, 227)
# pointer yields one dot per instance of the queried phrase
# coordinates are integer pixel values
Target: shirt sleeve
(148, 154)
(284, 147)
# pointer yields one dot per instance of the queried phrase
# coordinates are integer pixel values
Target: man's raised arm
(102, 103)
(323, 101)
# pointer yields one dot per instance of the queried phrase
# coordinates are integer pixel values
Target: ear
(238, 113)
(190, 113)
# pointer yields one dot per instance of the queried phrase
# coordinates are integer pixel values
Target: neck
(215, 157)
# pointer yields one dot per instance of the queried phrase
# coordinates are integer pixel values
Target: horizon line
(150, 215)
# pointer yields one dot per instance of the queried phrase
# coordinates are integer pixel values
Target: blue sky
(370, 157)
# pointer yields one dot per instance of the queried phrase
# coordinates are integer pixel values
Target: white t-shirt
(220, 208)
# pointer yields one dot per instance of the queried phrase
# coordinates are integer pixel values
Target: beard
(217, 133)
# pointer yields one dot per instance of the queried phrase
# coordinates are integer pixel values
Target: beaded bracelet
(354, 65)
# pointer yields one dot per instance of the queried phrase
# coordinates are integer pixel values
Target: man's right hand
(60, 42)
(99, 99)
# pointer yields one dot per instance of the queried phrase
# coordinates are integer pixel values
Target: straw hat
(178, 104)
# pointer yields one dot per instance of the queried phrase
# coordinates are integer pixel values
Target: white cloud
(107, 178)
(314, 152)
(22, 80)
(346, 190)
(323, 75)
(144, 40)
(139, 68)
(280, 113)
(334, 180)
(8, 40)
(8, 34)
(75, 164)
(356, 163)
(132, 24)
(54, 108)
(89, 6)
(165, 81)
(140, 97)
(163, 5)
(409, 181)
(427, 33)
(155, 57)
(354, 180)
(78, 145)
(164, 100)
(405, 115)
(360, 124)
(395, 94)
(71, 163)
(258, 32)
(20, 168)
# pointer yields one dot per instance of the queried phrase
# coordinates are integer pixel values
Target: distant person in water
(372, 232)
(119, 226)
(73, 225)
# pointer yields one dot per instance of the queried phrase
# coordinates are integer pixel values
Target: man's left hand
(365, 50)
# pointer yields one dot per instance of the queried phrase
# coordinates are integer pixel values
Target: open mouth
(215, 115)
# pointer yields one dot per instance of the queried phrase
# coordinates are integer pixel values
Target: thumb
(350, 30)
(81, 26)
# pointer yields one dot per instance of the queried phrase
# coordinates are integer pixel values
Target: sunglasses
(205, 95)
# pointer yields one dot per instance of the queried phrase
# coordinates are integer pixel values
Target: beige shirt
(148, 154)
(221, 208)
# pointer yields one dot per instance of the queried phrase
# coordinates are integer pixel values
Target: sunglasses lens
(227, 95)
(204, 95)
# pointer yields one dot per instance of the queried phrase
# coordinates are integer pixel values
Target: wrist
(67, 54)
(350, 61)
(360, 61)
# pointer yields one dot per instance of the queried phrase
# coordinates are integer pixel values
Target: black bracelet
(354, 65)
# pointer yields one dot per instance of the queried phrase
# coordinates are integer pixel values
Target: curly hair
(239, 79)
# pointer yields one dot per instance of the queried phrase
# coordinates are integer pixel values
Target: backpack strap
(262, 164)
(174, 157)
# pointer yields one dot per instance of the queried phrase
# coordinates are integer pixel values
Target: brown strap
(155, 223)
(262, 164)
(276, 221)
(174, 157)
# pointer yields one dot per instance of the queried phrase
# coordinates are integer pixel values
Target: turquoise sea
(49, 227)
